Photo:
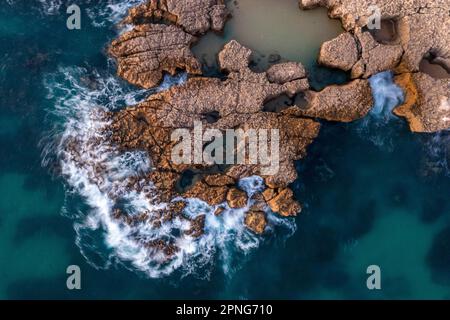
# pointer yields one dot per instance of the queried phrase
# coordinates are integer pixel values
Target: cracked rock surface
(238, 102)
(421, 29)
(161, 38)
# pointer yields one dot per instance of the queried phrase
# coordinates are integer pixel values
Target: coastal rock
(340, 52)
(236, 198)
(193, 16)
(284, 204)
(410, 32)
(422, 94)
(285, 72)
(256, 221)
(344, 103)
(236, 102)
(162, 36)
(146, 52)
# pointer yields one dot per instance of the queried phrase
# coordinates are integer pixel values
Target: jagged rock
(163, 33)
(219, 211)
(285, 72)
(340, 52)
(146, 52)
(284, 203)
(237, 102)
(256, 221)
(422, 94)
(197, 226)
(375, 57)
(211, 195)
(236, 198)
(342, 103)
(193, 16)
(218, 180)
(421, 28)
(268, 194)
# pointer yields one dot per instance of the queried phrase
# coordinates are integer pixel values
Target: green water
(363, 203)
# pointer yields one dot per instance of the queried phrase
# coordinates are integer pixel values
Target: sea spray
(378, 125)
(386, 94)
(98, 175)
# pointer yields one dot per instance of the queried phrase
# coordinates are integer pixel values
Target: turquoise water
(373, 192)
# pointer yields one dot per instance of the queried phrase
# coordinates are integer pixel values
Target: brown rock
(427, 102)
(193, 16)
(342, 103)
(256, 221)
(146, 52)
(236, 198)
(197, 226)
(211, 195)
(219, 211)
(410, 31)
(285, 72)
(340, 52)
(218, 180)
(284, 204)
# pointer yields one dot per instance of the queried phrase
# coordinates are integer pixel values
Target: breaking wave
(377, 126)
(102, 13)
(97, 177)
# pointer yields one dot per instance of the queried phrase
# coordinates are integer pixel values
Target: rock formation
(410, 31)
(236, 102)
(160, 41)
(163, 32)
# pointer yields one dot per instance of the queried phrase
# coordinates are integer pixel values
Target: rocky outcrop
(343, 103)
(236, 198)
(423, 93)
(256, 221)
(340, 52)
(193, 16)
(146, 52)
(416, 29)
(236, 103)
(160, 41)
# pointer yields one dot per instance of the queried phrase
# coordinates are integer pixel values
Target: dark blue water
(373, 192)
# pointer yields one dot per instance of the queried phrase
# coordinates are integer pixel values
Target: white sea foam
(99, 174)
(386, 95)
(113, 11)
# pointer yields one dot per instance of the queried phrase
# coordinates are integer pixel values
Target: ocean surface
(373, 192)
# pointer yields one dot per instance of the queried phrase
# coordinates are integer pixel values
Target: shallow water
(373, 192)
(272, 28)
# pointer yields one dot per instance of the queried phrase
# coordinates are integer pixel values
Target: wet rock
(236, 198)
(427, 102)
(343, 103)
(418, 29)
(146, 52)
(256, 221)
(197, 226)
(284, 204)
(219, 211)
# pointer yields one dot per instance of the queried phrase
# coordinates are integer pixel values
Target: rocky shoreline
(160, 42)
